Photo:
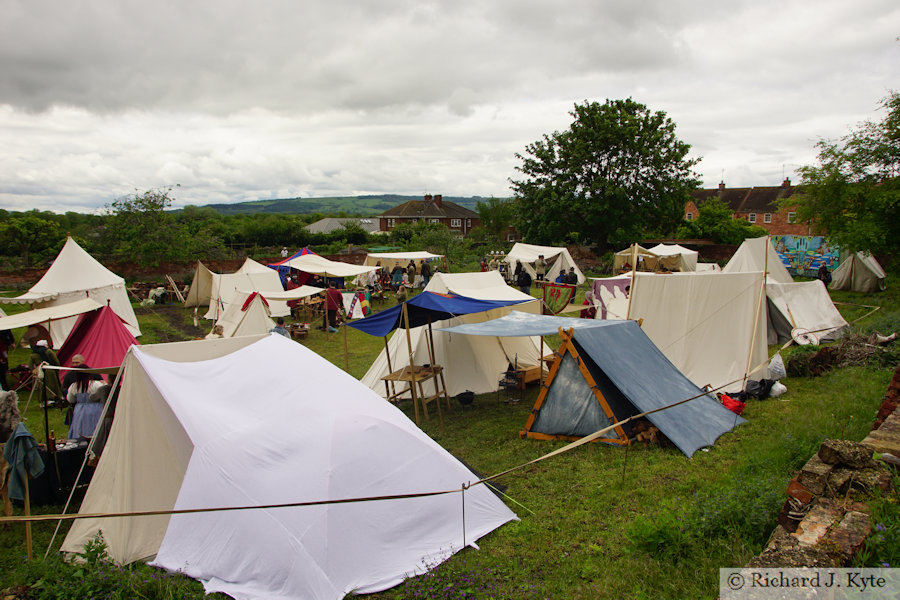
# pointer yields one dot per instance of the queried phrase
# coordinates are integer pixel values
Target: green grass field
(597, 522)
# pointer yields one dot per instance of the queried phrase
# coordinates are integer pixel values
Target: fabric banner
(556, 297)
(356, 305)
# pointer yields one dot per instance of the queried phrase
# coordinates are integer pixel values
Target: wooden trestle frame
(568, 347)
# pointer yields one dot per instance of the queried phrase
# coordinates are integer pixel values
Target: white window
(689, 217)
(434, 220)
(752, 217)
(468, 223)
(792, 217)
(455, 222)
(390, 222)
(767, 218)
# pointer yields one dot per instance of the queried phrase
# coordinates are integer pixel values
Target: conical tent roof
(192, 430)
(75, 274)
(101, 337)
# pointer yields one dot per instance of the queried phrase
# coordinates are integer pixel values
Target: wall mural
(804, 254)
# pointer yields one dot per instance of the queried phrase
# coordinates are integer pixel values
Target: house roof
(429, 209)
(329, 224)
(748, 199)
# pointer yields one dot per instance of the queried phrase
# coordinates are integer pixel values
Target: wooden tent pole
(633, 279)
(411, 367)
(434, 380)
(346, 351)
(387, 352)
(27, 511)
(759, 301)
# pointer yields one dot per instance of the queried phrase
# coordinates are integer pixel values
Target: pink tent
(100, 336)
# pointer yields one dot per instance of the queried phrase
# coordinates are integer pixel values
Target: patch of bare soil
(173, 314)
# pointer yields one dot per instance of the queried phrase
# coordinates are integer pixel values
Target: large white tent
(711, 326)
(859, 272)
(218, 290)
(192, 430)
(687, 258)
(74, 275)
(319, 265)
(387, 260)
(758, 254)
(803, 305)
(470, 363)
(558, 259)
(249, 314)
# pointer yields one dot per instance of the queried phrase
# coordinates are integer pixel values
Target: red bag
(735, 406)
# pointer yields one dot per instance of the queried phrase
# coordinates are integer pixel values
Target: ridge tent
(686, 260)
(603, 375)
(101, 337)
(469, 364)
(192, 430)
(757, 254)
(558, 259)
(859, 272)
(389, 259)
(219, 289)
(74, 275)
(802, 305)
(645, 260)
(248, 314)
(711, 326)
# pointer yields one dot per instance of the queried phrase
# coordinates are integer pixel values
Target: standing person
(540, 268)
(572, 279)
(69, 379)
(823, 275)
(333, 302)
(426, 273)
(284, 252)
(411, 271)
(42, 353)
(7, 341)
(397, 276)
(523, 280)
(86, 412)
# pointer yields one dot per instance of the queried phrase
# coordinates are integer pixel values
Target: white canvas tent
(74, 275)
(218, 290)
(192, 430)
(859, 272)
(803, 305)
(387, 260)
(757, 254)
(687, 259)
(558, 259)
(470, 363)
(319, 265)
(711, 326)
(246, 318)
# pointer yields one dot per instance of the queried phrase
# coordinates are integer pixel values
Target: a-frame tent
(218, 290)
(74, 275)
(758, 254)
(192, 430)
(859, 272)
(248, 315)
(101, 337)
(804, 306)
(605, 375)
(557, 257)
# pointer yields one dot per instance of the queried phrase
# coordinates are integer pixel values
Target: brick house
(757, 205)
(434, 210)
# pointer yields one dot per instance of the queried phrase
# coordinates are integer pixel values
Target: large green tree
(495, 214)
(141, 230)
(28, 233)
(618, 171)
(853, 192)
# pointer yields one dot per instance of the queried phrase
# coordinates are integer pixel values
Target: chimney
(438, 200)
(427, 198)
(721, 186)
(786, 183)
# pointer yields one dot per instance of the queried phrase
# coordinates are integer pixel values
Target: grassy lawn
(597, 522)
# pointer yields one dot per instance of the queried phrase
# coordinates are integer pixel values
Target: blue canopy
(427, 307)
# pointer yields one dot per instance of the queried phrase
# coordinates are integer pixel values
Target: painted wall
(804, 254)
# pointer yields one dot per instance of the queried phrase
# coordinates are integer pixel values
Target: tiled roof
(329, 224)
(747, 200)
(428, 209)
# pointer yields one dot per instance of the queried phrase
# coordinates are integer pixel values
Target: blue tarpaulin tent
(425, 308)
(606, 374)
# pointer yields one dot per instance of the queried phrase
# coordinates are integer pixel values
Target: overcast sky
(235, 100)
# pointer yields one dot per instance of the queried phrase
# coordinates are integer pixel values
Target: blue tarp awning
(425, 308)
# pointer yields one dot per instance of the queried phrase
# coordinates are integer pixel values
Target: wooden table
(417, 375)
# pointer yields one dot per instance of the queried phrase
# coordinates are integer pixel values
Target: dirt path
(174, 317)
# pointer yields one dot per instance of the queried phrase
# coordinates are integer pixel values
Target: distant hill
(351, 205)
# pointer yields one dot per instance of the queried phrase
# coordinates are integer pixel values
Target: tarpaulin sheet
(427, 307)
(520, 324)
(643, 375)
